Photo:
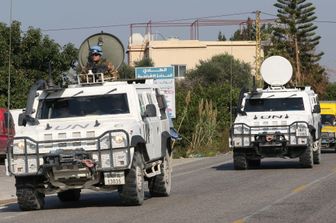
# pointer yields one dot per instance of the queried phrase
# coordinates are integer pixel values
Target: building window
(179, 70)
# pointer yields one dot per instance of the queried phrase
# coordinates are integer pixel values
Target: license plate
(114, 178)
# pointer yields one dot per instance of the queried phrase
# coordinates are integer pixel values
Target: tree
(330, 93)
(221, 36)
(216, 83)
(295, 39)
(221, 69)
(189, 96)
(245, 33)
(31, 54)
(248, 32)
(145, 62)
(126, 72)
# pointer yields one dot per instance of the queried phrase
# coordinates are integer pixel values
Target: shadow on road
(285, 164)
(87, 200)
(328, 151)
(225, 166)
(2, 160)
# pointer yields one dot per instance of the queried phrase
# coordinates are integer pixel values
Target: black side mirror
(150, 110)
(22, 119)
(317, 109)
(237, 110)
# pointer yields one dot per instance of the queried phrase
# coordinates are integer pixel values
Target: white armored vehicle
(95, 135)
(276, 121)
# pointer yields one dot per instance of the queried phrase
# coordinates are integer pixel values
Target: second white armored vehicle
(276, 121)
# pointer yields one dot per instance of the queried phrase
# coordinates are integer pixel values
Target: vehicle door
(152, 127)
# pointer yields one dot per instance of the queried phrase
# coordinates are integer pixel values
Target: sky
(63, 14)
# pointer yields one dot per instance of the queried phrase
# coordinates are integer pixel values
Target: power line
(84, 27)
(267, 13)
(208, 17)
(317, 21)
(167, 21)
(325, 21)
(126, 25)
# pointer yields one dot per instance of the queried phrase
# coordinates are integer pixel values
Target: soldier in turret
(99, 65)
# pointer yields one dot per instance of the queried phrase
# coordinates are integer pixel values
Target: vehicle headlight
(331, 134)
(120, 158)
(19, 147)
(324, 134)
(118, 141)
(239, 129)
(237, 142)
(300, 129)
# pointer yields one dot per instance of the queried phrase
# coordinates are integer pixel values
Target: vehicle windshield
(273, 104)
(83, 106)
(328, 119)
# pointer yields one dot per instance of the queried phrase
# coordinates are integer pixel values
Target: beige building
(186, 54)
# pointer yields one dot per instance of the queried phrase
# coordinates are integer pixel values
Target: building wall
(190, 52)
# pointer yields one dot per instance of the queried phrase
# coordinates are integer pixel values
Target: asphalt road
(209, 190)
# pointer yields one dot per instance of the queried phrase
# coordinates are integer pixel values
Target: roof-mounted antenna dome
(276, 71)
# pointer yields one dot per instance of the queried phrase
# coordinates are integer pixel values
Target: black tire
(239, 162)
(29, 199)
(317, 153)
(160, 185)
(69, 195)
(255, 163)
(132, 192)
(317, 156)
(306, 159)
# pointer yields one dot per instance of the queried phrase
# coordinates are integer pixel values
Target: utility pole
(297, 58)
(258, 46)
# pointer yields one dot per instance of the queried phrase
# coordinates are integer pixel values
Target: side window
(142, 105)
(149, 98)
(312, 102)
(317, 103)
(162, 105)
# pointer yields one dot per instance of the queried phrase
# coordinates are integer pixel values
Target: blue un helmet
(96, 49)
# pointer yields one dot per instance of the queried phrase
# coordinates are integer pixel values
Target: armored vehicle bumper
(73, 163)
(270, 141)
(328, 140)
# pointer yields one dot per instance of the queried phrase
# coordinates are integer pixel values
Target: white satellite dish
(276, 71)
